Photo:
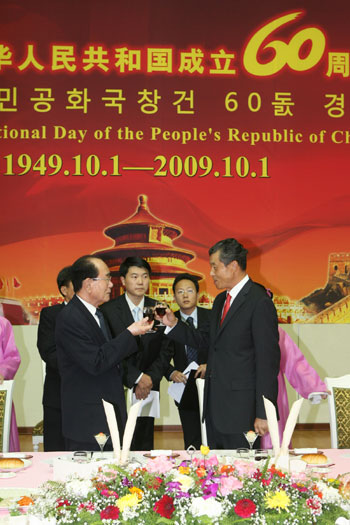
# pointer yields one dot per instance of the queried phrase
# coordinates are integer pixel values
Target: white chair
(339, 410)
(200, 390)
(6, 389)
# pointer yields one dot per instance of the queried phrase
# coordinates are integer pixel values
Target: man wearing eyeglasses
(186, 288)
(89, 358)
(143, 370)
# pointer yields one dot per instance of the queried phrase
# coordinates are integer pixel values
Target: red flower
(245, 508)
(315, 506)
(63, 503)
(164, 506)
(109, 513)
(154, 484)
(276, 472)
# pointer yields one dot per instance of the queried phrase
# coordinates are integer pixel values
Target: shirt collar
(194, 316)
(238, 287)
(132, 306)
(92, 309)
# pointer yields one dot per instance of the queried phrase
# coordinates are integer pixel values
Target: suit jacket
(47, 348)
(89, 370)
(152, 348)
(243, 360)
(179, 355)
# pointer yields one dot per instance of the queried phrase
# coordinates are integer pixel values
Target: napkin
(113, 428)
(273, 425)
(281, 454)
(129, 430)
(305, 451)
(290, 425)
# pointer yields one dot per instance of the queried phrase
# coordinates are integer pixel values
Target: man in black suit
(186, 288)
(88, 359)
(143, 370)
(244, 355)
(53, 437)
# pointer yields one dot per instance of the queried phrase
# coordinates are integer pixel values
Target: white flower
(185, 481)
(329, 494)
(79, 487)
(206, 507)
(342, 521)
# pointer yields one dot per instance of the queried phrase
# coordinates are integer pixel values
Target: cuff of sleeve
(138, 379)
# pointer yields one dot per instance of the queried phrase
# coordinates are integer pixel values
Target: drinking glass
(101, 439)
(251, 437)
(261, 454)
(243, 453)
(160, 310)
(148, 311)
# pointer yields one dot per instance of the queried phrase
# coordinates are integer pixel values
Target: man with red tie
(244, 355)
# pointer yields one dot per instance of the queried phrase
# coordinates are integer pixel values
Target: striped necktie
(192, 354)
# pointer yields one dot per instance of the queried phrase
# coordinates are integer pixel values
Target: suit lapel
(216, 318)
(236, 304)
(124, 312)
(89, 318)
(201, 316)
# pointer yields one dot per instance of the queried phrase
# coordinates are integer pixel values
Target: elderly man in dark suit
(143, 370)
(186, 288)
(89, 359)
(53, 437)
(244, 355)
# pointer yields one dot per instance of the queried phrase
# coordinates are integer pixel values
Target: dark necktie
(103, 325)
(226, 308)
(192, 354)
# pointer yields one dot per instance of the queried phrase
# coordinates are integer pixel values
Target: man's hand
(168, 318)
(143, 387)
(260, 426)
(140, 327)
(201, 370)
(178, 377)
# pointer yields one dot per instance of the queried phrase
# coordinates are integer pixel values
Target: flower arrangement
(200, 491)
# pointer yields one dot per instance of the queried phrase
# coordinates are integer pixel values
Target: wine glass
(101, 439)
(190, 451)
(251, 437)
(148, 311)
(160, 310)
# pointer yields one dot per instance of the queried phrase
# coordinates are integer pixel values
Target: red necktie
(226, 308)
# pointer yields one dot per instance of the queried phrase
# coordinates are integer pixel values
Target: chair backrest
(339, 410)
(6, 389)
(200, 390)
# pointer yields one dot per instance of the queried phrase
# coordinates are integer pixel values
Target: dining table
(39, 469)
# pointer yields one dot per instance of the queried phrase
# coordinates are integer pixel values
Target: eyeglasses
(109, 278)
(181, 292)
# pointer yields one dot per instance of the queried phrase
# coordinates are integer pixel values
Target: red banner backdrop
(230, 118)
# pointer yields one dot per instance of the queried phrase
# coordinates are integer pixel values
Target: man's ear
(233, 265)
(122, 280)
(64, 290)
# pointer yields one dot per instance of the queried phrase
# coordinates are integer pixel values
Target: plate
(26, 464)
(320, 465)
(11, 495)
(19, 455)
(172, 456)
(7, 474)
(299, 454)
(325, 465)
